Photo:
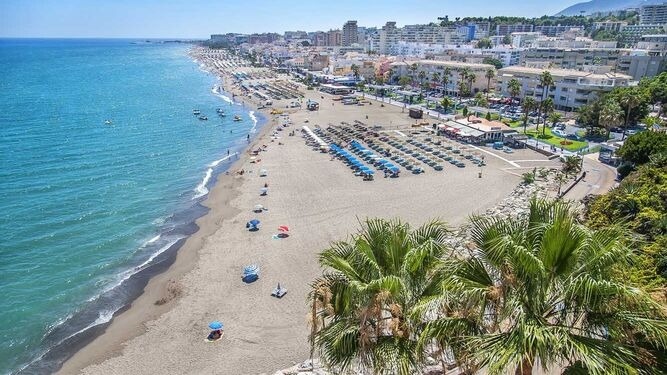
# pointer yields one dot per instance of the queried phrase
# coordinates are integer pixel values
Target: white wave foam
(217, 162)
(254, 120)
(201, 189)
(154, 239)
(217, 91)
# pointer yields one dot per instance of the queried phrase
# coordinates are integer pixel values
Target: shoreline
(321, 201)
(161, 277)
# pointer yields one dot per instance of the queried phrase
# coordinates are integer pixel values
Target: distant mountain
(593, 6)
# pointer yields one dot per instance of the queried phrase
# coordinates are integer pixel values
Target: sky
(200, 18)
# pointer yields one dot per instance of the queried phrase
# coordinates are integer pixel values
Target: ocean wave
(217, 90)
(254, 120)
(201, 189)
(217, 162)
(102, 317)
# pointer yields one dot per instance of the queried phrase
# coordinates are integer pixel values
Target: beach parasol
(215, 325)
(283, 228)
(254, 222)
(258, 208)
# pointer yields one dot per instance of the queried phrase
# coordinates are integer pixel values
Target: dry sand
(321, 201)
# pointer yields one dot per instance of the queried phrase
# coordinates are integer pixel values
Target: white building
(653, 14)
(572, 88)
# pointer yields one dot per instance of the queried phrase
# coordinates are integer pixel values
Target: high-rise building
(653, 14)
(390, 35)
(350, 33)
(334, 38)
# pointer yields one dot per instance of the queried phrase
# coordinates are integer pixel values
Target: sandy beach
(321, 201)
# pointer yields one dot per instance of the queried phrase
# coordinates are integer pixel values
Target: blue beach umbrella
(215, 325)
(254, 222)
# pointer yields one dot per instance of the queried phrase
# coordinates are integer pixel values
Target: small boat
(196, 112)
(219, 110)
(108, 122)
(237, 118)
(203, 118)
(222, 114)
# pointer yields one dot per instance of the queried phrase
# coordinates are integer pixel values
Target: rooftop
(560, 73)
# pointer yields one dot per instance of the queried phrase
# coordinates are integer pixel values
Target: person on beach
(215, 335)
(227, 152)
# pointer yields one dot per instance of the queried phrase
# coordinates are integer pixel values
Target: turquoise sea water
(85, 205)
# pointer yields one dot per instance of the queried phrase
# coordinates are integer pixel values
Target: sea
(103, 168)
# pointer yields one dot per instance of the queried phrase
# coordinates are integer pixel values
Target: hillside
(593, 6)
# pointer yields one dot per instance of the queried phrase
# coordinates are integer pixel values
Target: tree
(465, 111)
(507, 39)
(529, 105)
(363, 304)
(404, 81)
(446, 77)
(480, 100)
(493, 61)
(472, 77)
(355, 71)
(514, 88)
(555, 118)
(484, 43)
(463, 77)
(435, 78)
(629, 100)
(611, 115)
(422, 77)
(641, 147)
(546, 80)
(547, 109)
(571, 165)
(446, 103)
(489, 75)
(543, 288)
(488, 116)
(413, 69)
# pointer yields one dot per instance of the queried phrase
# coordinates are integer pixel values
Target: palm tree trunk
(526, 367)
(627, 120)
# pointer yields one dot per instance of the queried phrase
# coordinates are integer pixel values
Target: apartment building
(611, 26)
(350, 33)
(334, 38)
(653, 14)
(555, 30)
(506, 29)
(571, 90)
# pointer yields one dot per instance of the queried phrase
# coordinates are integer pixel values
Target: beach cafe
(336, 89)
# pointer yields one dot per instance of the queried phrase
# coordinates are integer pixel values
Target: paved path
(600, 178)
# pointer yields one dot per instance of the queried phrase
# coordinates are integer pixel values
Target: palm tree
(446, 77)
(555, 118)
(363, 304)
(547, 108)
(542, 288)
(422, 77)
(435, 78)
(355, 71)
(529, 105)
(489, 75)
(463, 77)
(514, 88)
(546, 80)
(630, 100)
(413, 70)
(571, 165)
(446, 102)
(472, 77)
(611, 115)
(404, 81)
